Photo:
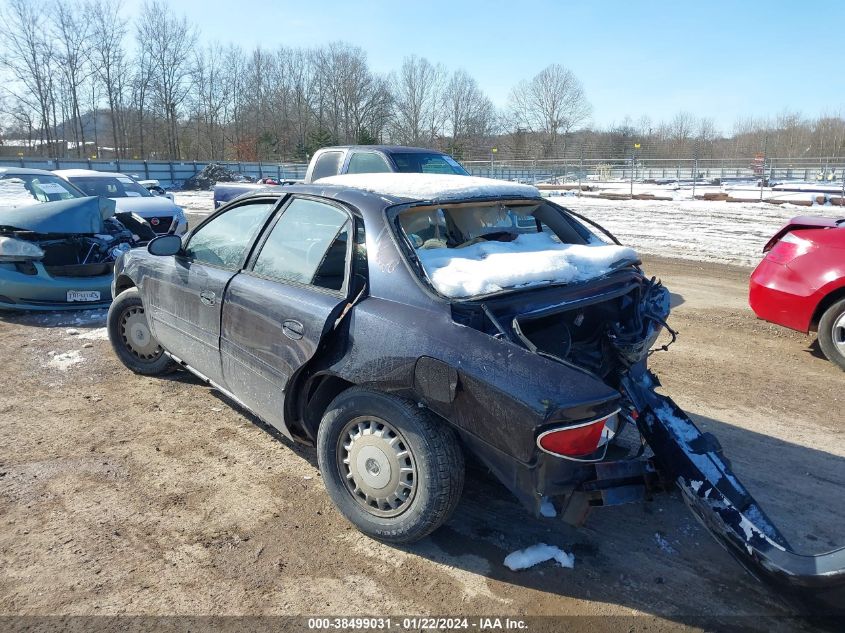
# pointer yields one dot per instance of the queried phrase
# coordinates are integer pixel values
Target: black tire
(832, 333)
(149, 359)
(433, 450)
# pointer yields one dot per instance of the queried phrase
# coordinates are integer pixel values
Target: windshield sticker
(125, 179)
(50, 187)
(132, 194)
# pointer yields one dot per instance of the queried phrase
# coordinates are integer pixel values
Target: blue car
(57, 246)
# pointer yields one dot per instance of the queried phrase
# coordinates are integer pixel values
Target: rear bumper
(19, 291)
(779, 295)
(694, 462)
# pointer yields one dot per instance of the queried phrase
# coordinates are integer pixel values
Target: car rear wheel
(131, 338)
(393, 469)
(832, 333)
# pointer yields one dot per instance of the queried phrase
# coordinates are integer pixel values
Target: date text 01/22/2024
(417, 623)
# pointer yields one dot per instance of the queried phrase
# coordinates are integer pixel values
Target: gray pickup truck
(355, 159)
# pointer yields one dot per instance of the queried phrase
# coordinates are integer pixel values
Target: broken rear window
(474, 249)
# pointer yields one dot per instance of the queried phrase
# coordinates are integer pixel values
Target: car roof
(387, 149)
(431, 187)
(398, 188)
(85, 173)
(24, 171)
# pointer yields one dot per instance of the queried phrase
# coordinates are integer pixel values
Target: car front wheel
(393, 469)
(832, 333)
(131, 338)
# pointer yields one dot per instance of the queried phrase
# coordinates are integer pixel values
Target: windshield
(23, 189)
(419, 163)
(470, 250)
(110, 186)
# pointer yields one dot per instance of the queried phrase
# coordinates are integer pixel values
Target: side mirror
(165, 245)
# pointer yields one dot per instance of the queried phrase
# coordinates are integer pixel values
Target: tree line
(79, 79)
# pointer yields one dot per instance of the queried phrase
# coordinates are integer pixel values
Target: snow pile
(63, 362)
(432, 186)
(536, 554)
(530, 259)
(96, 334)
(13, 193)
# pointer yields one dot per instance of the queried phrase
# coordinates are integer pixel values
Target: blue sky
(716, 58)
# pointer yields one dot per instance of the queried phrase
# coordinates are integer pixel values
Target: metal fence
(172, 174)
(168, 173)
(828, 170)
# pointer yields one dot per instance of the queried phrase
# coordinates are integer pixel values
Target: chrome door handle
(207, 297)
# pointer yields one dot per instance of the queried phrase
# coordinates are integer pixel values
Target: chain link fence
(638, 169)
(567, 170)
(170, 174)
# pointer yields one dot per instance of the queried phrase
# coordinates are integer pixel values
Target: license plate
(83, 295)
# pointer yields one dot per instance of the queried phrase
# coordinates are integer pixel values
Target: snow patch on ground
(536, 554)
(530, 259)
(432, 186)
(663, 544)
(98, 334)
(547, 508)
(65, 361)
(710, 231)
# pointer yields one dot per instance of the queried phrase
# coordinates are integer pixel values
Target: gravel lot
(121, 494)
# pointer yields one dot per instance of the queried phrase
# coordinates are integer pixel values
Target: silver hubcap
(136, 335)
(377, 465)
(838, 334)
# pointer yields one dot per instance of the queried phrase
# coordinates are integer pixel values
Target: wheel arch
(123, 282)
(828, 300)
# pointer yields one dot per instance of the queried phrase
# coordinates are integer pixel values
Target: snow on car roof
(432, 186)
(79, 173)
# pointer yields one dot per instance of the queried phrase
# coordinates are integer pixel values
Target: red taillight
(788, 248)
(579, 440)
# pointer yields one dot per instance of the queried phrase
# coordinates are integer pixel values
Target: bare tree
(551, 103)
(470, 115)
(109, 61)
(167, 42)
(28, 55)
(71, 31)
(417, 89)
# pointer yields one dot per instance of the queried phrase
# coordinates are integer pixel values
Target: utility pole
(763, 171)
(694, 167)
(633, 162)
(580, 169)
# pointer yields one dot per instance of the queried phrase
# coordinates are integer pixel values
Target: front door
(277, 311)
(185, 295)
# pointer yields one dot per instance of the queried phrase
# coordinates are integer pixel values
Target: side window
(307, 245)
(224, 240)
(366, 163)
(328, 164)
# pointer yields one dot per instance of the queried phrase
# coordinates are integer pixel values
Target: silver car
(162, 213)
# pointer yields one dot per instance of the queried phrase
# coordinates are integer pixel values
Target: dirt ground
(121, 494)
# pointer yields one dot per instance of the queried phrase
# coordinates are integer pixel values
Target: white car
(161, 212)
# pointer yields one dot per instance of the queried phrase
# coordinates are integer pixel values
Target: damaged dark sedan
(57, 246)
(400, 322)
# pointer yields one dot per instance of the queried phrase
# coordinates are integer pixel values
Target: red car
(800, 284)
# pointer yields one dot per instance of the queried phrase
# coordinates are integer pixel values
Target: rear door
(277, 311)
(185, 294)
